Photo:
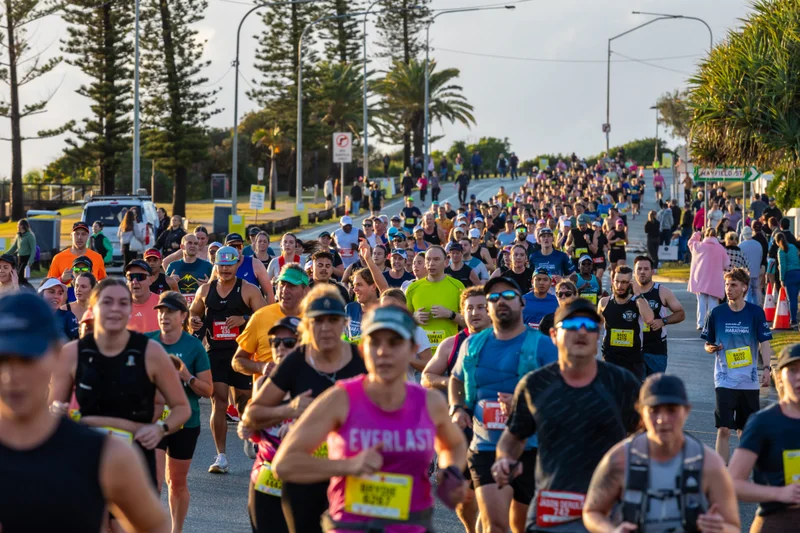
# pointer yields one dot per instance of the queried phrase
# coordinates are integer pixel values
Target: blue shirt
(740, 333)
(190, 274)
(557, 263)
(497, 372)
(352, 330)
(536, 308)
(69, 324)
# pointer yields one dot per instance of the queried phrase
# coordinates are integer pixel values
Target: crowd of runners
(503, 356)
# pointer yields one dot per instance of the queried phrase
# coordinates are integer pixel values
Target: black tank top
(622, 343)
(461, 275)
(461, 336)
(55, 486)
(655, 342)
(434, 237)
(116, 386)
(218, 309)
(160, 284)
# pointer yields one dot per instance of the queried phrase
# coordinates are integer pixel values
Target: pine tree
(100, 45)
(175, 107)
(400, 30)
(343, 37)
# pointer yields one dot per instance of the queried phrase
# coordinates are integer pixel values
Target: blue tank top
(246, 272)
(588, 286)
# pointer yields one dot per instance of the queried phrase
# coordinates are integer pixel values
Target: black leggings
(303, 506)
(266, 514)
(127, 254)
(23, 262)
(435, 194)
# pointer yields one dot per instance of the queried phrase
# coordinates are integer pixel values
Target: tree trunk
(179, 191)
(406, 43)
(176, 112)
(108, 184)
(17, 197)
(419, 130)
(406, 150)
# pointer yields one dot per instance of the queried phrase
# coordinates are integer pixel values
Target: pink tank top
(407, 436)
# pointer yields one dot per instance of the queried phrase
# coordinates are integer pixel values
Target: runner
(735, 332)
(347, 239)
(658, 184)
(518, 270)
(589, 286)
(410, 215)
(579, 408)
(660, 299)
(288, 255)
(84, 284)
(161, 283)
(462, 184)
(397, 274)
(769, 449)
(367, 286)
(581, 240)
(96, 472)
(539, 301)
(202, 249)
(54, 292)
(9, 276)
(212, 251)
(418, 269)
(144, 317)
(325, 242)
(617, 239)
(474, 263)
(456, 267)
(115, 375)
(433, 233)
(250, 269)
(663, 480)
(322, 272)
(423, 354)
(219, 310)
(557, 263)
(174, 453)
(420, 244)
(251, 235)
(625, 316)
(80, 265)
(380, 405)
(189, 272)
(599, 257)
(566, 292)
(61, 266)
(479, 250)
(321, 359)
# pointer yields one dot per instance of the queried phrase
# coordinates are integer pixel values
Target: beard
(505, 318)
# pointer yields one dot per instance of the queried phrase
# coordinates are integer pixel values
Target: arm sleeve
(13, 248)
(521, 423)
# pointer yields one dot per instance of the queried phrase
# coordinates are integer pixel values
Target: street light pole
(136, 125)
(366, 132)
(655, 156)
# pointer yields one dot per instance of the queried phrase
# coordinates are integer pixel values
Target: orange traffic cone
(782, 319)
(769, 304)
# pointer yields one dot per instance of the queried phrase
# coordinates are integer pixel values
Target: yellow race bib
(622, 338)
(739, 357)
(791, 466)
(127, 436)
(592, 297)
(580, 251)
(267, 483)
(435, 337)
(380, 495)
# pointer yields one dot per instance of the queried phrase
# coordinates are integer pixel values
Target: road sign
(257, 193)
(606, 128)
(260, 173)
(342, 147)
(726, 174)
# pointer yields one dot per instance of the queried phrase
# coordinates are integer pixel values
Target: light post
(655, 157)
(428, 70)
(235, 171)
(136, 162)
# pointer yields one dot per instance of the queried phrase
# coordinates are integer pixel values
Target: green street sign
(726, 174)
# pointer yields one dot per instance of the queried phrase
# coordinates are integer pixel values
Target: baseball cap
(417, 228)
(172, 300)
(392, 318)
(254, 231)
(453, 246)
(138, 263)
(597, 223)
(487, 289)
(409, 199)
(402, 253)
(460, 227)
(8, 258)
(397, 218)
(474, 233)
(88, 316)
(324, 234)
(521, 226)
(584, 257)
(757, 225)
(620, 222)
(215, 244)
(152, 252)
(233, 237)
(567, 223)
(227, 256)
(789, 355)
(583, 219)
(541, 271)
(82, 260)
(747, 233)
(545, 230)
(80, 225)
(662, 389)
(289, 322)
(27, 325)
(581, 305)
(294, 276)
(384, 219)
(346, 221)
(326, 306)
(49, 283)
(435, 203)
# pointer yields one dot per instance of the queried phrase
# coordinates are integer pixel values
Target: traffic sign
(606, 128)
(726, 174)
(260, 173)
(257, 193)
(342, 147)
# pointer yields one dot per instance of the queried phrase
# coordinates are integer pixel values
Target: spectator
(789, 266)
(170, 240)
(709, 259)
(408, 183)
(686, 232)
(375, 197)
(356, 196)
(386, 162)
(699, 218)
(477, 163)
(327, 190)
(666, 221)
(714, 214)
(757, 205)
(737, 258)
(125, 234)
(25, 248)
(101, 244)
(163, 221)
(723, 228)
(435, 187)
(753, 254)
(653, 232)
(772, 210)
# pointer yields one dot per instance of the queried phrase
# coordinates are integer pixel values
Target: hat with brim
(294, 276)
(585, 257)
(8, 258)
(27, 325)
(663, 389)
(227, 256)
(487, 289)
(325, 306)
(580, 306)
(288, 322)
(172, 301)
(82, 260)
(138, 263)
(788, 355)
(49, 283)
(390, 318)
(233, 237)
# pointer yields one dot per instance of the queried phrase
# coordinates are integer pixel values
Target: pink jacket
(709, 259)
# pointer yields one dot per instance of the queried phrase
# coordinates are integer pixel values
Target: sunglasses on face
(367, 225)
(576, 323)
(136, 276)
(565, 294)
(238, 245)
(505, 295)
(289, 342)
(80, 270)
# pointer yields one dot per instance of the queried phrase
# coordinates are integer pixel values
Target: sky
(536, 75)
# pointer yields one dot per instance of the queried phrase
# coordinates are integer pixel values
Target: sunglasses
(505, 295)
(80, 270)
(226, 258)
(367, 225)
(136, 276)
(574, 324)
(238, 246)
(289, 342)
(565, 294)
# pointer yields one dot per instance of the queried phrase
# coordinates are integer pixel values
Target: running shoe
(232, 415)
(249, 448)
(220, 465)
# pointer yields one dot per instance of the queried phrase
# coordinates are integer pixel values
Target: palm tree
(403, 106)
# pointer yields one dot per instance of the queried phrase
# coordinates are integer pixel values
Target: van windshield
(108, 215)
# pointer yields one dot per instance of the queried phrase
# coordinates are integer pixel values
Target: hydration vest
(636, 493)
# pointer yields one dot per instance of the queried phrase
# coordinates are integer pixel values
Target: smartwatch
(452, 315)
(163, 425)
(455, 408)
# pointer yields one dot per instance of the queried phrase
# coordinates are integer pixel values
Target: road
(219, 503)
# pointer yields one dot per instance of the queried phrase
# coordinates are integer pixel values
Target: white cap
(346, 221)
(384, 219)
(49, 283)
(474, 233)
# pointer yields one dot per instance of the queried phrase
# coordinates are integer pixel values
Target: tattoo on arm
(606, 485)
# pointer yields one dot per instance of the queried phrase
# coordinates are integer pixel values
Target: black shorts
(181, 444)
(223, 372)
(734, 407)
(480, 468)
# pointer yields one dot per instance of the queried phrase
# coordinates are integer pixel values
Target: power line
(643, 62)
(550, 60)
(220, 78)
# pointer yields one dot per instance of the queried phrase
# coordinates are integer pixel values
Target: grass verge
(674, 271)
(780, 339)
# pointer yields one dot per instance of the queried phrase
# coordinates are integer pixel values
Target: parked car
(110, 210)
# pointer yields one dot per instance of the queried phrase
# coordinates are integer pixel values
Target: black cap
(80, 225)
(8, 258)
(453, 246)
(487, 289)
(233, 237)
(288, 322)
(82, 260)
(663, 389)
(325, 306)
(324, 234)
(581, 305)
(255, 230)
(172, 300)
(789, 355)
(138, 263)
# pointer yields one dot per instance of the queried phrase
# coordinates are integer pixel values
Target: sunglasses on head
(505, 295)
(289, 342)
(136, 276)
(576, 323)
(80, 270)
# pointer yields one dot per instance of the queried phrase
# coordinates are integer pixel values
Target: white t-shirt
(421, 339)
(344, 242)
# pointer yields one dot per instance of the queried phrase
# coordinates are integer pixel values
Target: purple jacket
(709, 259)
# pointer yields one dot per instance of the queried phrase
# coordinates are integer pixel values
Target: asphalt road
(219, 502)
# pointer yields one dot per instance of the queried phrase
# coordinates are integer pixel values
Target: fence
(45, 195)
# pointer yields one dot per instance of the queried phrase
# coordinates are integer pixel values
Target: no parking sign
(342, 147)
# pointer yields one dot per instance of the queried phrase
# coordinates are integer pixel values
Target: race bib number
(555, 507)
(411, 222)
(346, 252)
(435, 338)
(592, 297)
(493, 417)
(127, 436)
(622, 338)
(620, 243)
(223, 333)
(791, 466)
(265, 481)
(380, 495)
(580, 251)
(738, 357)
(189, 299)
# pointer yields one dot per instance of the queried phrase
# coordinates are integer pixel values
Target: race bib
(127, 436)
(189, 299)
(435, 338)
(493, 417)
(791, 466)
(411, 222)
(592, 297)
(224, 333)
(346, 252)
(554, 507)
(600, 259)
(580, 251)
(622, 337)
(646, 328)
(265, 481)
(380, 495)
(738, 357)
(620, 243)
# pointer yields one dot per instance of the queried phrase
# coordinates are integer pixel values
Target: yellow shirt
(255, 337)
(422, 294)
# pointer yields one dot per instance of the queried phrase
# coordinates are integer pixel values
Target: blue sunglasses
(576, 323)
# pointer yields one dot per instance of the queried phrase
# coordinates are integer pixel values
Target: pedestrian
(666, 221)
(477, 163)
(502, 166)
(443, 167)
(386, 162)
(375, 199)
(753, 254)
(163, 221)
(356, 194)
(100, 243)
(789, 267)
(327, 191)
(422, 183)
(25, 247)
(170, 240)
(337, 191)
(709, 259)
(513, 163)
(61, 265)
(462, 184)
(434, 185)
(125, 236)
(652, 228)
(735, 255)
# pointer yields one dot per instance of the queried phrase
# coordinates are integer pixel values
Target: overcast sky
(541, 106)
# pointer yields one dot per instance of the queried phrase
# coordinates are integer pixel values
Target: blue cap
(392, 318)
(27, 325)
(233, 237)
(227, 256)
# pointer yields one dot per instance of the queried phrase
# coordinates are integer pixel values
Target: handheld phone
(451, 480)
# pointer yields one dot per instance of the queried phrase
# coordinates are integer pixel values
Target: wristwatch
(452, 315)
(163, 425)
(191, 379)
(454, 408)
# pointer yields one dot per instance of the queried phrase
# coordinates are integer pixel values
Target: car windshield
(109, 215)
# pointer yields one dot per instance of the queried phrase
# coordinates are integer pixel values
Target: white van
(110, 210)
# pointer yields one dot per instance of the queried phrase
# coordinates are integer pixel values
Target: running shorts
(181, 444)
(223, 372)
(480, 465)
(734, 407)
